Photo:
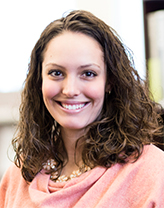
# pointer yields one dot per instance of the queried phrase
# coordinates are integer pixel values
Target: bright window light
(21, 25)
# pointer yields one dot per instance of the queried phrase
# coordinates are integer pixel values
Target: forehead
(69, 38)
(73, 44)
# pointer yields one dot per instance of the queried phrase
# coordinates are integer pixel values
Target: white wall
(126, 17)
(23, 21)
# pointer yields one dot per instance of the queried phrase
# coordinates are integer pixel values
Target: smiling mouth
(72, 106)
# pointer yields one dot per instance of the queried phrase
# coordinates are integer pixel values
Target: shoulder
(150, 162)
(14, 190)
(10, 183)
(152, 154)
(10, 178)
(11, 173)
(140, 182)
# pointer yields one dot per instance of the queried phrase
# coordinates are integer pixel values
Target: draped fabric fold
(132, 185)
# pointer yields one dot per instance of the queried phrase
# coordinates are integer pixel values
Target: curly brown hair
(128, 119)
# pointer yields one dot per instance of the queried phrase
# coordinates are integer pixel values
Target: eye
(89, 74)
(55, 73)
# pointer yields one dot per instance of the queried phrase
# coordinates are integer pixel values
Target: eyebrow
(89, 65)
(80, 67)
(53, 64)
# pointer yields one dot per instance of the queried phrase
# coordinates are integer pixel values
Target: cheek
(49, 90)
(96, 93)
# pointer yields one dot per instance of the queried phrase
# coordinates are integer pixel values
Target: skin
(73, 86)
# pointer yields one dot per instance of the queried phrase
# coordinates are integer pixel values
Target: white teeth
(73, 107)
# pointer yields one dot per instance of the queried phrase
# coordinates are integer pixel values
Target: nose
(70, 87)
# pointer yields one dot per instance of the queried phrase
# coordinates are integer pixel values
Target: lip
(72, 106)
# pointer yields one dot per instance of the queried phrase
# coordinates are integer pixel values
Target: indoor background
(21, 25)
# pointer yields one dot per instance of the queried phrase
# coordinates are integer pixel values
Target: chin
(73, 127)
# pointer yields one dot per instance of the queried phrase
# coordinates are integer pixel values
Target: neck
(70, 138)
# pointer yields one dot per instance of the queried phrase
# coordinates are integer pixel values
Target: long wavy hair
(127, 122)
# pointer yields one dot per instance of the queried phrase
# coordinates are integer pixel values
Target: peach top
(132, 185)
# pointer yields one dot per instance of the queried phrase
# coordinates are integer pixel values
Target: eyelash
(55, 71)
(92, 74)
(85, 74)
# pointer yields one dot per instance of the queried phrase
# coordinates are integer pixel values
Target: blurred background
(140, 23)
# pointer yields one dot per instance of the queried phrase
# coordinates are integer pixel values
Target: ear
(108, 88)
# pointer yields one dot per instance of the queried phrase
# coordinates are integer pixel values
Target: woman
(86, 124)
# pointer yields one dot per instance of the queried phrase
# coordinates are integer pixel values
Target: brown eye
(55, 73)
(89, 74)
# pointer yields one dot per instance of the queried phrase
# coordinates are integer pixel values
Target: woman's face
(73, 79)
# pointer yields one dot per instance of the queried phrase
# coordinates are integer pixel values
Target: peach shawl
(133, 185)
